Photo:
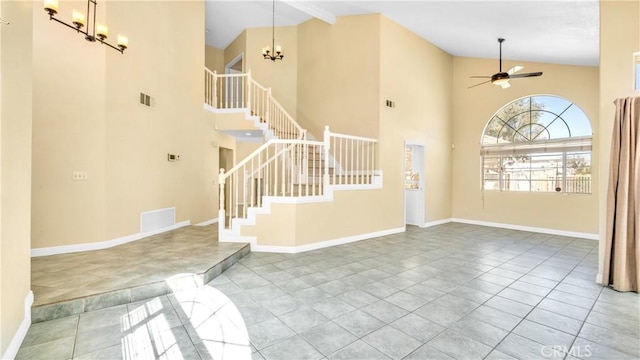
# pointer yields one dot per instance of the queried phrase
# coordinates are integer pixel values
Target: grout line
(449, 254)
(75, 338)
(536, 306)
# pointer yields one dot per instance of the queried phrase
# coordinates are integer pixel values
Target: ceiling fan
(502, 78)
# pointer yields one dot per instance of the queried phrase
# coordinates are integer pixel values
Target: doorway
(234, 85)
(414, 184)
(225, 161)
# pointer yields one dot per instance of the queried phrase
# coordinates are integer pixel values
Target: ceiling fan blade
(480, 77)
(515, 76)
(515, 69)
(505, 85)
(484, 82)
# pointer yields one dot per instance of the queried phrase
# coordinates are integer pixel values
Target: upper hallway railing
(241, 91)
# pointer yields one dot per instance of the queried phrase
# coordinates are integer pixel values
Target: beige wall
(472, 108)
(238, 46)
(339, 75)
(619, 39)
(68, 133)
(16, 60)
(351, 213)
(347, 92)
(214, 59)
(280, 76)
(123, 146)
(417, 76)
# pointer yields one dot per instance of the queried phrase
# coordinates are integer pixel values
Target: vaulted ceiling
(552, 31)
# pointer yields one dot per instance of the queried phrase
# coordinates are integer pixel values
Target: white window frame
(564, 146)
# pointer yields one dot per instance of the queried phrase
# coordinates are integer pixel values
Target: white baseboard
(581, 235)
(66, 249)
(320, 245)
(599, 279)
(18, 338)
(436, 222)
(208, 222)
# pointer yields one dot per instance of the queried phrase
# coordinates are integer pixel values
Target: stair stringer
(268, 133)
(234, 233)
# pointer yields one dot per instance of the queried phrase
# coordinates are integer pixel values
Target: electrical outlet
(80, 176)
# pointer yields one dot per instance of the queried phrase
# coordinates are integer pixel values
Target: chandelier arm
(88, 36)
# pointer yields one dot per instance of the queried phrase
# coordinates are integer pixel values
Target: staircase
(288, 167)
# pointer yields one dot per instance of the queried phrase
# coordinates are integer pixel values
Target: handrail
(258, 85)
(295, 168)
(257, 151)
(351, 137)
(241, 91)
(298, 127)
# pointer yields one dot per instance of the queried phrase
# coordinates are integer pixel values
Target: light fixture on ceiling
(267, 52)
(94, 32)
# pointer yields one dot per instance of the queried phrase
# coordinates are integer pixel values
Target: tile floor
(71, 284)
(448, 292)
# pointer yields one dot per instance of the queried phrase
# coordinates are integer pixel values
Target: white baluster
(221, 209)
(249, 87)
(215, 92)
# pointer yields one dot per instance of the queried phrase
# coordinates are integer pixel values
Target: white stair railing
(277, 168)
(353, 158)
(295, 168)
(241, 91)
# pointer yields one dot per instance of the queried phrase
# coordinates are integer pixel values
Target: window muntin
(537, 144)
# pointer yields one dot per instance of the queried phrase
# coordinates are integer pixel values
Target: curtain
(622, 238)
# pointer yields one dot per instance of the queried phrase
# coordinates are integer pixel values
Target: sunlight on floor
(216, 321)
(212, 322)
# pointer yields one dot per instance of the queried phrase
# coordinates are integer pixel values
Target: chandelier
(94, 32)
(267, 52)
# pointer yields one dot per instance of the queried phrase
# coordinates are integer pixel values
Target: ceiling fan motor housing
(499, 77)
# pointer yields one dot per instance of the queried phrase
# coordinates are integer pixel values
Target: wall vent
(146, 100)
(157, 219)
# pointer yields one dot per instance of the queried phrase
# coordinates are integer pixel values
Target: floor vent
(157, 219)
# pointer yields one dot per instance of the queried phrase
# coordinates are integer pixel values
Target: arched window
(538, 143)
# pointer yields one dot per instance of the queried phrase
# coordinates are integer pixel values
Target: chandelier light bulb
(51, 7)
(78, 19)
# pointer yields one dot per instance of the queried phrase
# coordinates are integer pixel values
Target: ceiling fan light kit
(502, 78)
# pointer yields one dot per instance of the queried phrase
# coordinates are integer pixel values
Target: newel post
(327, 147)
(221, 213)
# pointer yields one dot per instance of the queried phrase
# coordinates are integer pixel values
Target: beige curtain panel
(622, 241)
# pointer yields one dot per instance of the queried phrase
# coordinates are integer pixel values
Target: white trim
(319, 245)
(66, 249)
(207, 222)
(599, 278)
(581, 235)
(436, 222)
(232, 63)
(18, 337)
(312, 10)
(296, 199)
(268, 200)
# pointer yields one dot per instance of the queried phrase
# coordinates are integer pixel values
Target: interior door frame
(421, 181)
(229, 69)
